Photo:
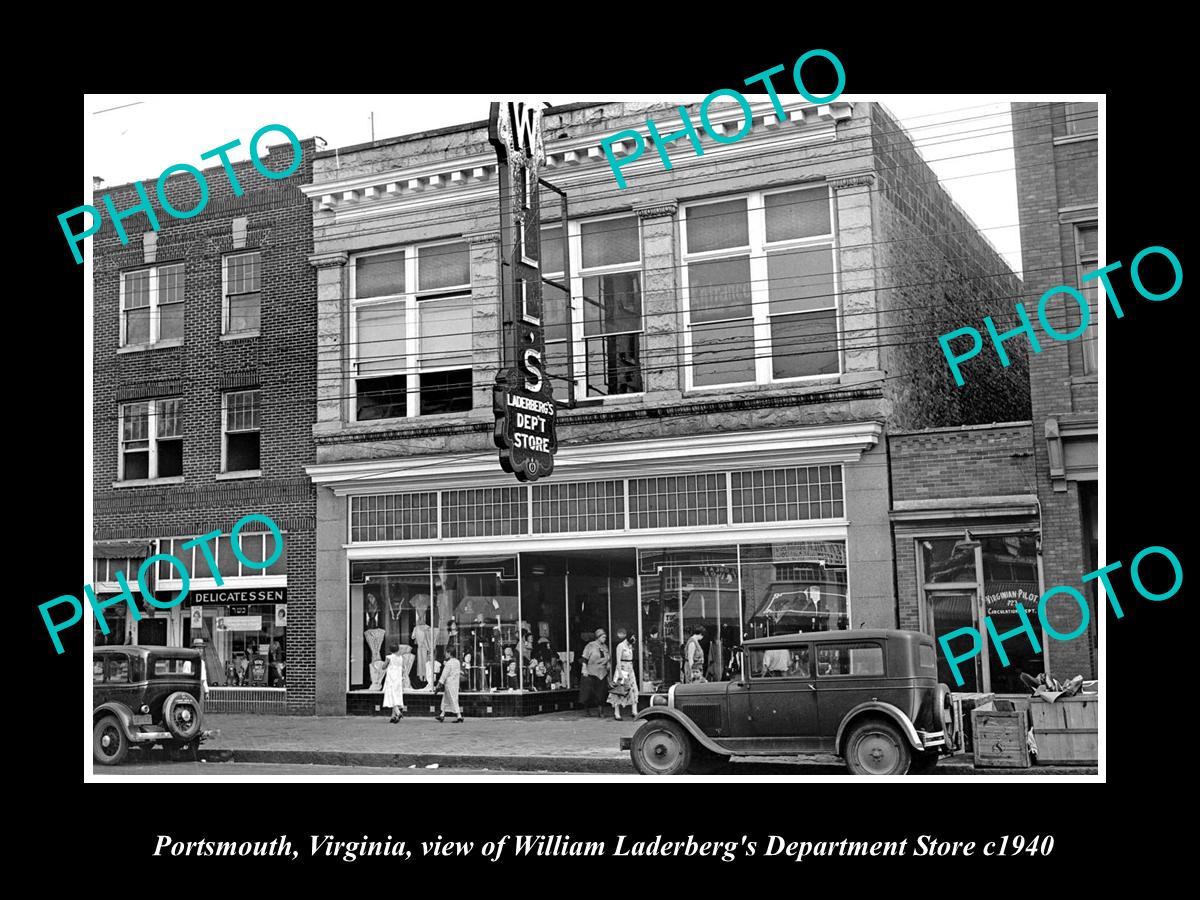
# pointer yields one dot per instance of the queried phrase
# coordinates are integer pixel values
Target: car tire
(946, 711)
(109, 743)
(181, 714)
(661, 747)
(877, 747)
(923, 762)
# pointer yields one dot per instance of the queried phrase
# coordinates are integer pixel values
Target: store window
(411, 331)
(969, 577)
(760, 288)
(242, 298)
(152, 305)
(1087, 251)
(795, 587)
(606, 293)
(245, 644)
(241, 431)
(151, 440)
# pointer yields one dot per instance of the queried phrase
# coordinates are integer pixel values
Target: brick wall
(937, 273)
(280, 361)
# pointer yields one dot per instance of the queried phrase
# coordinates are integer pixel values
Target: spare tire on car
(181, 714)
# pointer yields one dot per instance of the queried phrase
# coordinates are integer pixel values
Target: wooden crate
(1000, 737)
(1067, 730)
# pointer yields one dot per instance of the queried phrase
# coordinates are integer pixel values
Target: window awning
(121, 549)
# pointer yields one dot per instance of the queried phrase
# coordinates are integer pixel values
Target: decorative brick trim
(482, 237)
(247, 378)
(147, 389)
(220, 495)
(329, 260)
(859, 179)
(660, 210)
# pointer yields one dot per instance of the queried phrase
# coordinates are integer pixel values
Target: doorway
(949, 610)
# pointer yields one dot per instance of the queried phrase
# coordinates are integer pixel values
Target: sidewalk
(556, 742)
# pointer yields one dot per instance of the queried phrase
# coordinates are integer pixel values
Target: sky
(966, 138)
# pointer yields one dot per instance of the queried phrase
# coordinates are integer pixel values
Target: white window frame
(410, 297)
(154, 338)
(758, 250)
(225, 332)
(225, 432)
(573, 247)
(1091, 337)
(152, 436)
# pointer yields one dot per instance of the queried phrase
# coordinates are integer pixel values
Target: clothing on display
(374, 638)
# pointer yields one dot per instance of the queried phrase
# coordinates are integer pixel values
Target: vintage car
(869, 696)
(142, 696)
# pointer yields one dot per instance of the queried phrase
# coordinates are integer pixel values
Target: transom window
(152, 305)
(242, 306)
(411, 331)
(760, 289)
(606, 312)
(151, 439)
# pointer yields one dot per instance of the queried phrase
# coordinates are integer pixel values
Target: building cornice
(813, 445)
(921, 512)
(329, 260)
(657, 210)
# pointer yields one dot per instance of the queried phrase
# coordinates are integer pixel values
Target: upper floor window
(1087, 253)
(151, 440)
(760, 289)
(241, 309)
(411, 331)
(241, 431)
(1082, 118)
(606, 337)
(152, 305)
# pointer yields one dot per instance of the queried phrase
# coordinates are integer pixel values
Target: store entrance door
(948, 611)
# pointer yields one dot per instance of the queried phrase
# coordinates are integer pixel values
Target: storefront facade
(723, 472)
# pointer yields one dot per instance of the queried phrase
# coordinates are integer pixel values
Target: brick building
(745, 329)
(204, 374)
(1056, 159)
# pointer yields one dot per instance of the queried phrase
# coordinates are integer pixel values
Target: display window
(244, 645)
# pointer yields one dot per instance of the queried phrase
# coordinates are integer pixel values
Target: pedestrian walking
(623, 692)
(594, 683)
(393, 684)
(448, 683)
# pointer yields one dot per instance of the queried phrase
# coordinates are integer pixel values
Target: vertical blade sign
(522, 399)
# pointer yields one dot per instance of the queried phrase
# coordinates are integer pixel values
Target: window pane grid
(676, 501)
(244, 274)
(787, 495)
(484, 512)
(170, 422)
(241, 411)
(394, 517)
(578, 507)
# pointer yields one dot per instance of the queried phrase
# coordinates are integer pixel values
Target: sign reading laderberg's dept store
(522, 399)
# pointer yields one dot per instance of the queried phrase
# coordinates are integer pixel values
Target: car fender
(887, 709)
(667, 712)
(123, 713)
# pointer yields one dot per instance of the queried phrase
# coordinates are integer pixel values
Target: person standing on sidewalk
(451, 674)
(393, 684)
(624, 690)
(593, 685)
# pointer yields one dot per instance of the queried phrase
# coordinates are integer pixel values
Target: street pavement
(566, 742)
(267, 770)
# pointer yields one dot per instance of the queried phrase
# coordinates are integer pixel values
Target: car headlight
(658, 699)
(145, 710)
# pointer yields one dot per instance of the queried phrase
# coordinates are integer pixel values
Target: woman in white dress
(623, 691)
(393, 684)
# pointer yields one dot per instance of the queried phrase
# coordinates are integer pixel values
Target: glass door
(947, 611)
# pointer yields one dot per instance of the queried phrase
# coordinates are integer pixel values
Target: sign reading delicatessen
(249, 595)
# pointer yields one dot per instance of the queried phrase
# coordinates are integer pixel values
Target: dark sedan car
(143, 696)
(869, 696)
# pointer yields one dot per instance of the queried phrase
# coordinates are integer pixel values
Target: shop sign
(239, 623)
(522, 398)
(1004, 600)
(239, 595)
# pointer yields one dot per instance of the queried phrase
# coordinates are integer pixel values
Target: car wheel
(181, 714)
(946, 709)
(923, 762)
(661, 747)
(876, 747)
(109, 744)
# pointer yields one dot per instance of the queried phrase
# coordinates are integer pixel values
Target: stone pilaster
(333, 351)
(663, 322)
(485, 318)
(857, 267)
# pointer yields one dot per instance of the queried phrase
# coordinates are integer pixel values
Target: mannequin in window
(374, 638)
(423, 635)
(374, 615)
(407, 658)
(693, 656)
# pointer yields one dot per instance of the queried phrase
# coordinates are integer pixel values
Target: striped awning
(121, 549)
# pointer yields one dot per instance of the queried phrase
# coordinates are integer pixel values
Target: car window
(849, 659)
(780, 662)
(927, 657)
(97, 669)
(118, 669)
(173, 667)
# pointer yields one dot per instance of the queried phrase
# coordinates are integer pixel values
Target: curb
(574, 764)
